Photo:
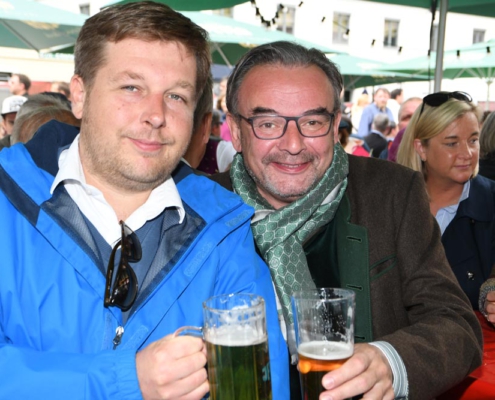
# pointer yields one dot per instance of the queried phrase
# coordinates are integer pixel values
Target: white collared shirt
(96, 209)
(446, 214)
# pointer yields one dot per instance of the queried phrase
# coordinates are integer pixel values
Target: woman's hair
(487, 136)
(426, 123)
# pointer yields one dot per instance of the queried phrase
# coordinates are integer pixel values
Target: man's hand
(173, 368)
(490, 307)
(366, 372)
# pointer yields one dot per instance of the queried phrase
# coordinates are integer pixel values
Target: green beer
(238, 371)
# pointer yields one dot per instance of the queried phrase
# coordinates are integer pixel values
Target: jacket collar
(479, 205)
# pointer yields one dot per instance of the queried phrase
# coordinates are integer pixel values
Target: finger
(189, 365)
(490, 307)
(350, 369)
(194, 386)
(181, 346)
(197, 393)
(379, 392)
(490, 296)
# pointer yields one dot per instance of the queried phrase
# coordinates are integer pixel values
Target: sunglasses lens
(125, 287)
(131, 246)
(123, 292)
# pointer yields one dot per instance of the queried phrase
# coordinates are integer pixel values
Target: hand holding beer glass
(237, 347)
(324, 324)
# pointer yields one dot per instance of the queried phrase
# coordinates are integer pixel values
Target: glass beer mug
(324, 325)
(234, 330)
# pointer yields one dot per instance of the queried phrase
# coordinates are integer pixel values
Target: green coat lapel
(353, 263)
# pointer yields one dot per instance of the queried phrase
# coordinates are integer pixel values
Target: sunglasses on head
(439, 98)
(124, 290)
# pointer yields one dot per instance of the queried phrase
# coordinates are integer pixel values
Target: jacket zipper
(118, 336)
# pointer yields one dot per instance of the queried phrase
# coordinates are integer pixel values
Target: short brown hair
(145, 20)
(24, 79)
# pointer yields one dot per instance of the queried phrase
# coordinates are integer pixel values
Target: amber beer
(238, 369)
(316, 358)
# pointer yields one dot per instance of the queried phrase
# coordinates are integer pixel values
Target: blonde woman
(442, 142)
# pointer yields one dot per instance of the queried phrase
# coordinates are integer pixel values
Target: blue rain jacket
(56, 336)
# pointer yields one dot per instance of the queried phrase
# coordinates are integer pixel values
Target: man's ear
(235, 131)
(77, 95)
(335, 127)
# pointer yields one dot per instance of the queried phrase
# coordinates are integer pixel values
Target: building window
(434, 38)
(84, 9)
(340, 28)
(224, 12)
(391, 33)
(478, 36)
(287, 16)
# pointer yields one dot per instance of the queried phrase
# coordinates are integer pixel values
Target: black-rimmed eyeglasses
(268, 127)
(124, 290)
(439, 98)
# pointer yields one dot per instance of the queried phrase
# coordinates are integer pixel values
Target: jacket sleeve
(29, 374)
(440, 318)
(237, 252)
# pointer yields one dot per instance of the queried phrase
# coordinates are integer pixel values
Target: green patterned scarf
(281, 234)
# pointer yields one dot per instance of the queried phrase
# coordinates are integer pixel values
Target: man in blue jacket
(107, 247)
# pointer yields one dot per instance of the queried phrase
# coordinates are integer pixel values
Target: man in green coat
(326, 219)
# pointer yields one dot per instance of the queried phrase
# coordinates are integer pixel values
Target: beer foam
(324, 350)
(235, 336)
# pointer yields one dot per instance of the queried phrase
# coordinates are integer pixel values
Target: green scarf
(281, 234)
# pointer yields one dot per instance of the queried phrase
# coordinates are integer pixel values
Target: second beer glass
(324, 323)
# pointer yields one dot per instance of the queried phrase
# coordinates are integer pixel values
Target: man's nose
(154, 110)
(292, 141)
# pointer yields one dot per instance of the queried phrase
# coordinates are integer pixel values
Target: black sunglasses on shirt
(123, 292)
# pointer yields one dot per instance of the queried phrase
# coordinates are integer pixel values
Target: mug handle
(196, 331)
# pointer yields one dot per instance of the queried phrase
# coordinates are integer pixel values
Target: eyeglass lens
(313, 125)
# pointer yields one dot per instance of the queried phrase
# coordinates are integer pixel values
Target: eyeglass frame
(126, 256)
(250, 120)
(446, 96)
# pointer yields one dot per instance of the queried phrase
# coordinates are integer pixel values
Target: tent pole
(444, 4)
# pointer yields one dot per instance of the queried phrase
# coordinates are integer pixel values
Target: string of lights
(268, 22)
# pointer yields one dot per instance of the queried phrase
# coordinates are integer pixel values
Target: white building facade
(382, 32)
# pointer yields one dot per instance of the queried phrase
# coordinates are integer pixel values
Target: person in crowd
(487, 148)
(61, 87)
(10, 107)
(327, 219)
(379, 106)
(349, 141)
(201, 128)
(377, 140)
(395, 101)
(107, 246)
(39, 108)
(219, 153)
(406, 112)
(207, 152)
(484, 116)
(28, 123)
(19, 85)
(442, 143)
(357, 108)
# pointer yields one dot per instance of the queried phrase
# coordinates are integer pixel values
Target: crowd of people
(270, 191)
